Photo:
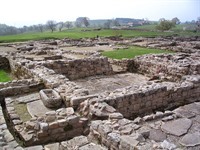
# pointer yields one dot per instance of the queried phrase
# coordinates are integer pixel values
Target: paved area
(99, 84)
(180, 133)
(37, 108)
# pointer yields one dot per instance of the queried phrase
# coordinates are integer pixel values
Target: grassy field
(178, 29)
(4, 76)
(132, 52)
(78, 33)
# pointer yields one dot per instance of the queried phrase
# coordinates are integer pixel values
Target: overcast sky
(28, 12)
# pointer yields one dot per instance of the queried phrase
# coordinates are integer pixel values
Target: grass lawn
(4, 76)
(78, 33)
(132, 52)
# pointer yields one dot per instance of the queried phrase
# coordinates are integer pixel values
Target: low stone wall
(164, 66)
(4, 63)
(170, 66)
(54, 126)
(20, 87)
(79, 68)
(124, 134)
(126, 64)
(141, 100)
(18, 68)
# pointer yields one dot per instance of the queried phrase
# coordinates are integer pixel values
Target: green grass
(4, 76)
(132, 52)
(178, 29)
(22, 111)
(147, 27)
(77, 33)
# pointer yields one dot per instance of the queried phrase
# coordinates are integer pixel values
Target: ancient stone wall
(172, 67)
(79, 68)
(126, 64)
(54, 126)
(162, 66)
(20, 87)
(18, 68)
(140, 100)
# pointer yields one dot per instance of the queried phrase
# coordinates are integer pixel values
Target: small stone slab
(39, 147)
(28, 98)
(37, 108)
(128, 142)
(190, 139)
(177, 127)
(157, 135)
(194, 107)
(184, 113)
(75, 142)
(8, 136)
(54, 146)
(92, 146)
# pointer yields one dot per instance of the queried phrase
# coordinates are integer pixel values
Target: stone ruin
(148, 102)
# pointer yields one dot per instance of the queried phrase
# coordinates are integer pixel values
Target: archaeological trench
(66, 95)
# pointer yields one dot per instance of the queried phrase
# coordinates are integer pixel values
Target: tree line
(165, 25)
(52, 25)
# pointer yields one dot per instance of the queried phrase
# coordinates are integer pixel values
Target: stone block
(54, 146)
(50, 98)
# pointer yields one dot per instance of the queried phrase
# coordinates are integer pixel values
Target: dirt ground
(99, 84)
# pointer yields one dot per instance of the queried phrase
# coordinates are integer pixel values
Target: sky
(28, 12)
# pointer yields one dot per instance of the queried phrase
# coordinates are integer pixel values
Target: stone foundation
(143, 100)
(105, 116)
(80, 68)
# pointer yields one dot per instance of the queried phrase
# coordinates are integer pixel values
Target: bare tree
(61, 25)
(51, 24)
(77, 24)
(41, 27)
(21, 30)
(85, 21)
(161, 19)
(68, 24)
(198, 18)
(176, 21)
(198, 24)
(107, 24)
(115, 23)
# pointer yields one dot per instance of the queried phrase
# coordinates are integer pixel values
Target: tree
(198, 24)
(115, 23)
(85, 22)
(107, 24)
(61, 25)
(68, 24)
(176, 21)
(40, 27)
(161, 19)
(165, 25)
(77, 24)
(198, 19)
(51, 24)
(21, 30)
